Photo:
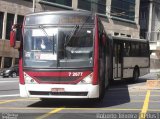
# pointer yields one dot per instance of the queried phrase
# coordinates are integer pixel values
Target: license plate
(57, 90)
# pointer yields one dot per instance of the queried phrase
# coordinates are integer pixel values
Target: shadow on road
(116, 95)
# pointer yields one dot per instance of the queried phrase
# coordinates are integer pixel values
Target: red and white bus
(67, 54)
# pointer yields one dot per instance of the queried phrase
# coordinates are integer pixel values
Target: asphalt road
(122, 100)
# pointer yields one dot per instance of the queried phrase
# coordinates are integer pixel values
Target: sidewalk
(155, 70)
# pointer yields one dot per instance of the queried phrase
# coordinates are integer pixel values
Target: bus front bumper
(70, 91)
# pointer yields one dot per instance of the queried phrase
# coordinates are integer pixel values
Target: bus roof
(129, 39)
(59, 18)
(62, 12)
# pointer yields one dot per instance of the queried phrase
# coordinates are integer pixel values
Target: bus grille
(57, 79)
(59, 93)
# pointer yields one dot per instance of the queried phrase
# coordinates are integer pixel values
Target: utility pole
(150, 20)
(34, 4)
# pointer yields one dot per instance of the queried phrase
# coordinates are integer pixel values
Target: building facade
(150, 28)
(120, 18)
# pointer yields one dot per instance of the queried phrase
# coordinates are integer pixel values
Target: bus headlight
(87, 79)
(29, 80)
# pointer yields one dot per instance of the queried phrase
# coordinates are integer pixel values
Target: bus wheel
(135, 75)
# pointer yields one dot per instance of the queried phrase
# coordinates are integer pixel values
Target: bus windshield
(58, 46)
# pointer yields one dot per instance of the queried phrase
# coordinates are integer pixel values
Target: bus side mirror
(13, 33)
(12, 38)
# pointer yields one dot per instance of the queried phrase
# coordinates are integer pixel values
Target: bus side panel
(113, 67)
(109, 61)
(117, 60)
(131, 62)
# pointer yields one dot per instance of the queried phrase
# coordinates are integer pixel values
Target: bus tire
(135, 75)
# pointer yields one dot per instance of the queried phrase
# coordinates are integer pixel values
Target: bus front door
(117, 61)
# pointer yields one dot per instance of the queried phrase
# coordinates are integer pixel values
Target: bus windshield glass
(58, 46)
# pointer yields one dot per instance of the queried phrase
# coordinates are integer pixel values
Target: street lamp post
(34, 3)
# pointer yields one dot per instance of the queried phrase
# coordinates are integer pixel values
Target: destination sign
(52, 19)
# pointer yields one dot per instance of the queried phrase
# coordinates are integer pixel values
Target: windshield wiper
(82, 25)
(44, 31)
(76, 31)
(47, 36)
(69, 37)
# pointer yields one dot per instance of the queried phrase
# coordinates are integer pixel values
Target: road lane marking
(26, 108)
(108, 109)
(91, 109)
(40, 108)
(132, 101)
(8, 81)
(50, 113)
(13, 95)
(37, 99)
(16, 100)
(145, 105)
(8, 101)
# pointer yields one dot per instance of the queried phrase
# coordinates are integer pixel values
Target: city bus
(131, 58)
(68, 54)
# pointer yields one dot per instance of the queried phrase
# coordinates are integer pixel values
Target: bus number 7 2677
(75, 73)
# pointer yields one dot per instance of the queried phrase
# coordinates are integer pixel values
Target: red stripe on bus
(96, 54)
(59, 74)
(21, 75)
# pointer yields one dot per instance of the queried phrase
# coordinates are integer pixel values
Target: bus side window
(116, 53)
(127, 49)
(119, 53)
(143, 49)
(124, 49)
(137, 49)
